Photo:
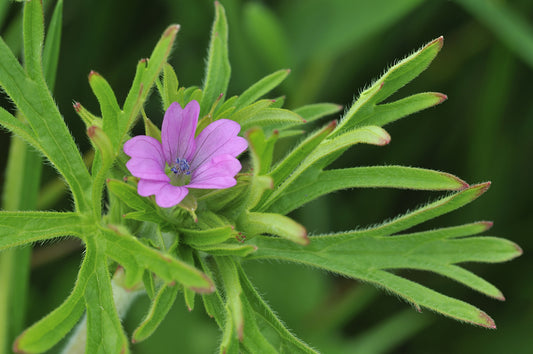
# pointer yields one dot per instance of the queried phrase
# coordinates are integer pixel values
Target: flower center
(181, 167)
(181, 172)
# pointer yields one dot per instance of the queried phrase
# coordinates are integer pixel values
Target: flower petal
(145, 147)
(147, 187)
(218, 173)
(177, 132)
(218, 138)
(147, 169)
(170, 195)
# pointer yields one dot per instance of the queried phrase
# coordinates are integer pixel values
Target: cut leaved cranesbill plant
(184, 207)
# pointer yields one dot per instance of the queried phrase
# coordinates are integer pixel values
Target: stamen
(181, 167)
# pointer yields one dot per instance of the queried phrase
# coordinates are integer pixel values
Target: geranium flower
(168, 169)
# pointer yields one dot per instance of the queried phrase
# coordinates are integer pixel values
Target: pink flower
(167, 169)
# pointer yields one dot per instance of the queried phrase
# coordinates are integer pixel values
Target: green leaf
(262, 149)
(274, 224)
(293, 159)
(149, 284)
(150, 129)
(427, 212)
(105, 148)
(145, 77)
(33, 33)
(395, 78)
(206, 237)
(48, 331)
(233, 291)
(104, 330)
(8, 121)
(261, 88)
(390, 112)
(170, 86)
(128, 194)
(128, 251)
(367, 257)
(365, 177)
(51, 45)
(419, 295)
(108, 105)
(218, 70)
(23, 227)
(226, 109)
(228, 249)
(213, 303)
(254, 341)
(36, 104)
(260, 308)
(316, 111)
(249, 111)
(326, 151)
(367, 254)
(161, 304)
(186, 254)
(272, 118)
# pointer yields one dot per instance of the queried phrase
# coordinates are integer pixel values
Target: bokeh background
(334, 49)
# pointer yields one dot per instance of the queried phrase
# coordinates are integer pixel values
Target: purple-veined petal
(218, 173)
(145, 147)
(147, 169)
(218, 138)
(177, 132)
(170, 195)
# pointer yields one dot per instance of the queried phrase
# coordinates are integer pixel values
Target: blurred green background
(335, 48)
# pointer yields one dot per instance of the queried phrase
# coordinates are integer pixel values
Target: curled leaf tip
(488, 322)
(384, 139)
(487, 224)
(171, 31)
(93, 73)
(303, 239)
(442, 97)
(518, 249)
(438, 41)
(482, 187)
(16, 348)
